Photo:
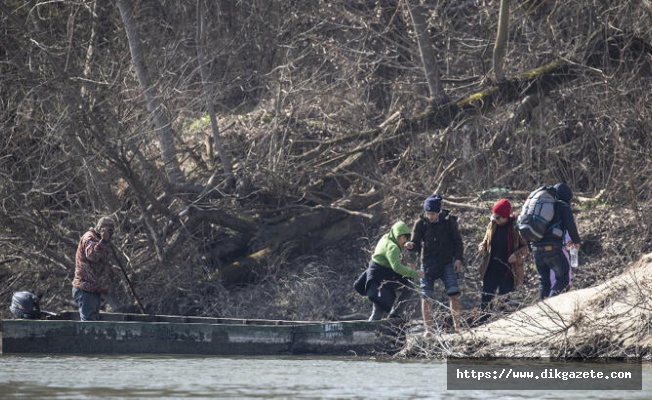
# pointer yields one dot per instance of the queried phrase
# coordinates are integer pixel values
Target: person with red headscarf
(503, 252)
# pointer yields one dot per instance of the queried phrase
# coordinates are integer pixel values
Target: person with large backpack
(547, 243)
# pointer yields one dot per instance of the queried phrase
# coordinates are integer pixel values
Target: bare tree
(217, 141)
(154, 102)
(500, 46)
(98, 180)
(430, 68)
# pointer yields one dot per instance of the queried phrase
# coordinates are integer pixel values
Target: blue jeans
(88, 303)
(553, 260)
(432, 273)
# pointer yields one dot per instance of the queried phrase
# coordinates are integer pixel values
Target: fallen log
(538, 81)
(317, 229)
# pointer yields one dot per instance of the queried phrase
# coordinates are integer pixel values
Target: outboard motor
(25, 305)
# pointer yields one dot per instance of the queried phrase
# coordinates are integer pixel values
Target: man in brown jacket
(93, 269)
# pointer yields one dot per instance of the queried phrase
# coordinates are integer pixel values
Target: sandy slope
(611, 319)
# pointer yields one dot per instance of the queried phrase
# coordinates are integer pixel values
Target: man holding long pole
(93, 269)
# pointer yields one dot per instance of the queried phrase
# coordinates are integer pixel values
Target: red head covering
(503, 208)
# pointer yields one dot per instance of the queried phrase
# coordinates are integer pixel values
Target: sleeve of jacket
(394, 257)
(417, 236)
(569, 223)
(94, 249)
(485, 239)
(522, 249)
(456, 239)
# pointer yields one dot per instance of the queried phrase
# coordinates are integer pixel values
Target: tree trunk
(217, 141)
(97, 180)
(437, 94)
(500, 46)
(154, 103)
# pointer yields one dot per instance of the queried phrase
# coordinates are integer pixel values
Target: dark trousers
(498, 277)
(390, 298)
(551, 260)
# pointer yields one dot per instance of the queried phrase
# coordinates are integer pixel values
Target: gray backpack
(537, 213)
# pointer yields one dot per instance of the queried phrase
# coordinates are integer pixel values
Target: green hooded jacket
(388, 252)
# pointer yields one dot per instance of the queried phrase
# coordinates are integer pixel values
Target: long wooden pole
(131, 287)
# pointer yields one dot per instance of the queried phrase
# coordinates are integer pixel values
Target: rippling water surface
(106, 377)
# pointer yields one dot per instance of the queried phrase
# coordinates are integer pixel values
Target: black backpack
(537, 213)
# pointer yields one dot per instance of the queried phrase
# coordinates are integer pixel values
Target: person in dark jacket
(386, 275)
(503, 252)
(548, 252)
(436, 236)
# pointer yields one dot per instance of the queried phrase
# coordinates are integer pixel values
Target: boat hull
(125, 334)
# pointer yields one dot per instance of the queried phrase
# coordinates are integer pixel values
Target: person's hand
(409, 245)
(481, 249)
(570, 245)
(512, 259)
(457, 267)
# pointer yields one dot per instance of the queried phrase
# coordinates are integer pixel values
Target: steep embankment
(612, 319)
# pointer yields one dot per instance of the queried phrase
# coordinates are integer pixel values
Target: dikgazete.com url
(548, 373)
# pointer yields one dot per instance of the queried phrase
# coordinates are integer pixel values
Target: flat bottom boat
(116, 333)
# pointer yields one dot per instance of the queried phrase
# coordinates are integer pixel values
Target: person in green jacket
(386, 275)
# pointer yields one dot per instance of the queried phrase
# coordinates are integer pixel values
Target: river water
(156, 377)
